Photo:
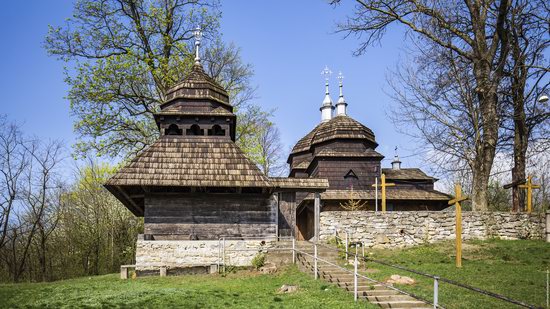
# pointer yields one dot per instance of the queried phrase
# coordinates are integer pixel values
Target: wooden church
(194, 182)
(343, 151)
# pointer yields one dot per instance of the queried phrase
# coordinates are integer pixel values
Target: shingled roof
(406, 174)
(197, 85)
(194, 162)
(179, 110)
(341, 126)
(299, 184)
(368, 153)
(392, 194)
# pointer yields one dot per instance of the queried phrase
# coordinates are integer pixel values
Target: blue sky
(288, 43)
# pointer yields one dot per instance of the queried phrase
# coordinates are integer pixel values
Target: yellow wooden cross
(458, 224)
(383, 185)
(529, 186)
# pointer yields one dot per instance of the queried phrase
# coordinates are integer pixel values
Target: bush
(258, 261)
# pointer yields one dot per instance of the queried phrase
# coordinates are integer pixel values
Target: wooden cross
(458, 224)
(529, 186)
(383, 185)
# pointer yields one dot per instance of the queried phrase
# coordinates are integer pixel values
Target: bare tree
(40, 201)
(524, 117)
(473, 30)
(13, 162)
(353, 203)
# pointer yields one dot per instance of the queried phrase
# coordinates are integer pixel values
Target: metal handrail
(438, 278)
(365, 277)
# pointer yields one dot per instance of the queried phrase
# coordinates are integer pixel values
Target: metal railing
(355, 272)
(436, 279)
(356, 275)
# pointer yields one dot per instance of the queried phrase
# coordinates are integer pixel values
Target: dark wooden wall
(287, 213)
(335, 170)
(209, 216)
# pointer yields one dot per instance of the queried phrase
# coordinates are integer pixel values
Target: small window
(173, 129)
(195, 130)
(351, 175)
(216, 131)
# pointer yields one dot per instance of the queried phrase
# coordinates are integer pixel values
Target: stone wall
(151, 254)
(404, 228)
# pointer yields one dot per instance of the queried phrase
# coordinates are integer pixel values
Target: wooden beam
(514, 184)
(458, 222)
(317, 214)
(130, 200)
(383, 185)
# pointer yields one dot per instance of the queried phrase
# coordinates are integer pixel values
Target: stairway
(373, 292)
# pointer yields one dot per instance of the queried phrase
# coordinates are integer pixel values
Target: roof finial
(326, 108)
(198, 36)
(341, 104)
(327, 73)
(340, 80)
(396, 164)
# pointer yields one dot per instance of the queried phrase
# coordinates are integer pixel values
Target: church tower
(197, 107)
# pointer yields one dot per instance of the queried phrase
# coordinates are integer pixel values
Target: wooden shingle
(397, 194)
(339, 127)
(191, 162)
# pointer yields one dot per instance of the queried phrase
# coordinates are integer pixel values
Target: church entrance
(305, 226)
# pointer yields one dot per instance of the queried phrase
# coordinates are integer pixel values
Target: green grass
(243, 289)
(514, 268)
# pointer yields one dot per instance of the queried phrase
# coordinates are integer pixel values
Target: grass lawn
(513, 268)
(243, 289)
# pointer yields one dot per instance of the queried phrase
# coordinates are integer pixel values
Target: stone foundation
(409, 228)
(151, 254)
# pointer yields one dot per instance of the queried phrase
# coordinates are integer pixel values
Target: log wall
(209, 216)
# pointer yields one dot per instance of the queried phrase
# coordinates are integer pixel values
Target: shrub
(259, 260)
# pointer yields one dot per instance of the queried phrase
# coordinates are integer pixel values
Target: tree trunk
(480, 183)
(42, 256)
(520, 155)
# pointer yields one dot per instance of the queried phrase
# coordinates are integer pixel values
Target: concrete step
(362, 286)
(377, 294)
(386, 298)
(400, 303)
(380, 292)
(372, 289)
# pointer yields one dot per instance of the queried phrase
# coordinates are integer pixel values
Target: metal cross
(198, 36)
(340, 77)
(326, 72)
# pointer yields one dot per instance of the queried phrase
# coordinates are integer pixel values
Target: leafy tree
(97, 227)
(264, 146)
(125, 54)
(474, 34)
